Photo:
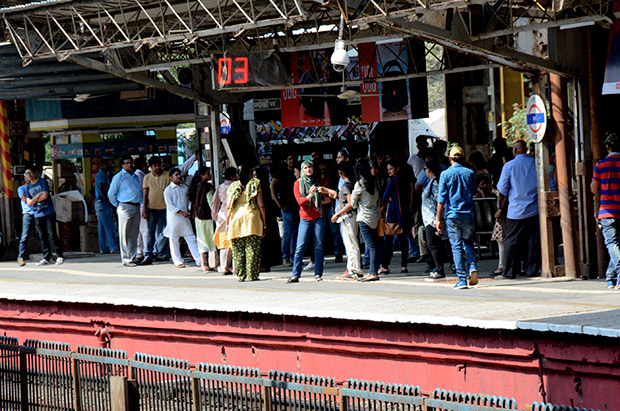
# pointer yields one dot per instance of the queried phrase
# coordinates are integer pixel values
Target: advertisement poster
(611, 84)
(301, 107)
(386, 100)
(392, 62)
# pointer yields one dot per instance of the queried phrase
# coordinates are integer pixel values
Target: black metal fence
(43, 375)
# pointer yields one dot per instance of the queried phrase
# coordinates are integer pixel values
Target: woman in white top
(178, 224)
(218, 212)
(365, 199)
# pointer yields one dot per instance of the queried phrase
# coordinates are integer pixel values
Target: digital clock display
(232, 70)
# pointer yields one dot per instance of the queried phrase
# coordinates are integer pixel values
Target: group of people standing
(423, 205)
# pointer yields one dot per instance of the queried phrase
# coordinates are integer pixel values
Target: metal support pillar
(562, 152)
(597, 149)
(215, 145)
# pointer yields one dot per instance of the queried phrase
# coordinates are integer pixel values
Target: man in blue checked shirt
(457, 186)
(125, 194)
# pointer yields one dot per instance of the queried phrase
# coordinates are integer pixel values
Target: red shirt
(307, 210)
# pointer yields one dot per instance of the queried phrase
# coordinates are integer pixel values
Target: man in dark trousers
(518, 182)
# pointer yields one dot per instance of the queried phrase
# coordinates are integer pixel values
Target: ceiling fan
(79, 98)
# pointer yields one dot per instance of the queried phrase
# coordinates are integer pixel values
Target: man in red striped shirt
(606, 182)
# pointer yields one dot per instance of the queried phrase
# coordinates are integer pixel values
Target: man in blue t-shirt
(457, 186)
(27, 220)
(103, 208)
(38, 196)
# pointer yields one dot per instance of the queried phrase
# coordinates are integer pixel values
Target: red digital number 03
(225, 70)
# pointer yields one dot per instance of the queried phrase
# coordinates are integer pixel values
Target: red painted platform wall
(575, 370)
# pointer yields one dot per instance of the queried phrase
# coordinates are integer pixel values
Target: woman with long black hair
(397, 201)
(434, 242)
(365, 199)
(200, 195)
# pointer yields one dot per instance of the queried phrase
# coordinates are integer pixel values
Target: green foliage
(515, 128)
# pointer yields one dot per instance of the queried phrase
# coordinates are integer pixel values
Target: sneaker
(43, 262)
(318, 278)
(460, 285)
(60, 260)
(435, 277)
(473, 276)
(611, 283)
(343, 276)
(309, 266)
(429, 270)
(21, 262)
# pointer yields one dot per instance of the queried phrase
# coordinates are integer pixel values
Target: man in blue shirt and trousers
(40, 198)
(125, 194)
(103, 208)
(518, 182)
(27, 219)
(457, 186)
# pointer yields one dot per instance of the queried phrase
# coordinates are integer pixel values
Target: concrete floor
(556, 305)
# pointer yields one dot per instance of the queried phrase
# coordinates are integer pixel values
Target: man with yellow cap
(457, 186)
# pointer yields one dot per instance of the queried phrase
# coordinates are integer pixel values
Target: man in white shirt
(178, 223)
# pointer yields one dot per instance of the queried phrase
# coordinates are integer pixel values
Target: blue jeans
(461, 235)
(27, 231)
(290, 219)
(611, 232)
(306, 228)
(106, 227)
(370, 239)
(156, 225)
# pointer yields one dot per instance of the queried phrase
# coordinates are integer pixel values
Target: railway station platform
(545, 340)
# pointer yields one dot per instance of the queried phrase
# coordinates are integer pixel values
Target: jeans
(156, 225)
(328, 212)
(306, 228)
(27, 231)
(461, 235)
(611, 232)
(106, 228)
(46, 227)
(522, 243)
(290, 219)
(414, 250)
(370, 239)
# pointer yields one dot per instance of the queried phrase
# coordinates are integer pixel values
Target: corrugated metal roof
(51, 78)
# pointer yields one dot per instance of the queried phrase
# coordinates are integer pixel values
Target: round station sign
(536, 114)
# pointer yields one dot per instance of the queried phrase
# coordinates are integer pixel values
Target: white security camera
(340, 57)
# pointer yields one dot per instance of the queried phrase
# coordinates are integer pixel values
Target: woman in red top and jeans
(309, 196)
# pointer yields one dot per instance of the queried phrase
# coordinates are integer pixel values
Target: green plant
(515, 128)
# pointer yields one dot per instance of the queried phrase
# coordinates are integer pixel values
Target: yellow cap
(457, 152)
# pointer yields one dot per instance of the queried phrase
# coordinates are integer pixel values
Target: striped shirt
(607, 173)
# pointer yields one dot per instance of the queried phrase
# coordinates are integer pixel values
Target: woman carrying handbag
(396, 203)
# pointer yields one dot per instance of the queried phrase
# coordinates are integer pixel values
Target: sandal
(369, 277)
(318, 278)
(180, 265)
(384, 270)
(206, 268)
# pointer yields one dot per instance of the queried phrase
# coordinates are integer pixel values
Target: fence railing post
(75, 374)
(266, 398)
(23, 378)
(196, 395)
(344, 400)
